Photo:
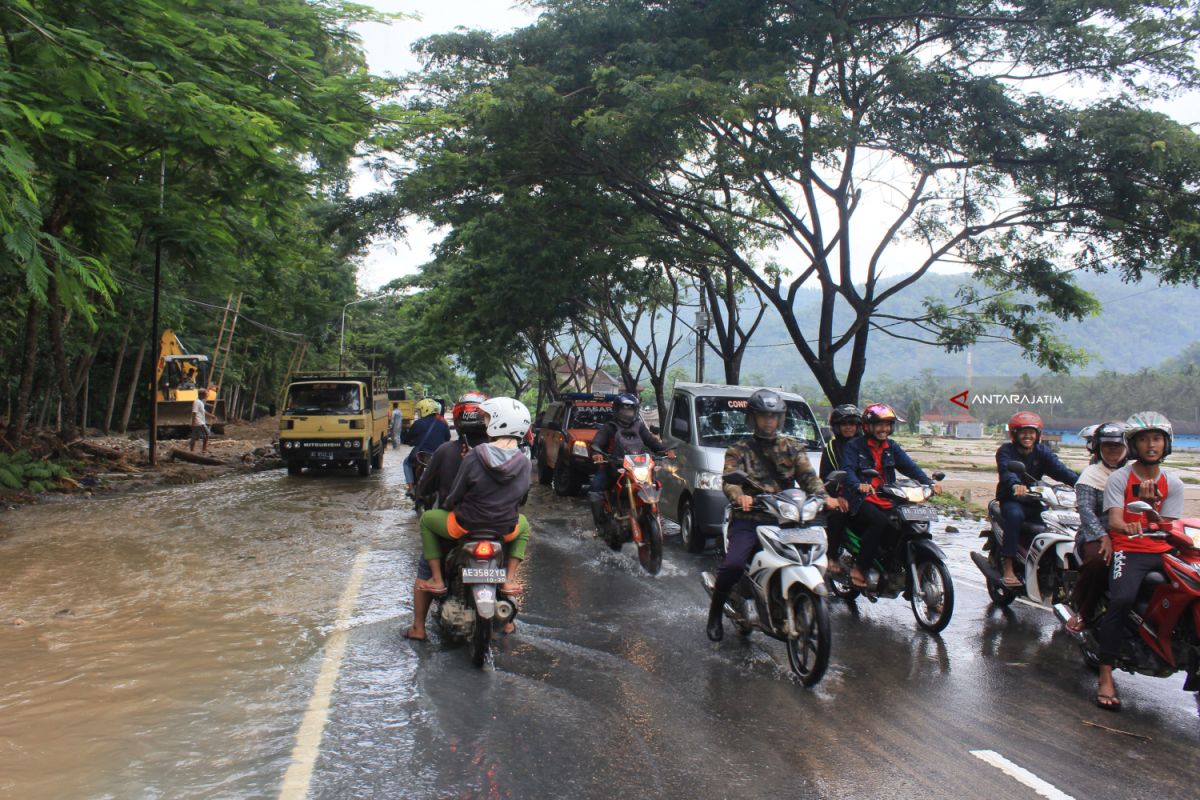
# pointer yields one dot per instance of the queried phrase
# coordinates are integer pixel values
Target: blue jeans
(409, 460)
(600, 481)
(1014, 514)
(741, 547)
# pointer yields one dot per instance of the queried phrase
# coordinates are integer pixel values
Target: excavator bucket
(175, 416)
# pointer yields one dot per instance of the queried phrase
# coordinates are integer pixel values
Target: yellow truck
(179, 378)
(334, 419)
(398, 398)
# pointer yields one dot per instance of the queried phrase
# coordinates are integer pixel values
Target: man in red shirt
(1148, 437)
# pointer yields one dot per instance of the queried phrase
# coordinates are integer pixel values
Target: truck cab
(334, 419)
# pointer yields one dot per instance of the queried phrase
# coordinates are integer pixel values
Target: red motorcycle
(631, 511)
(1167, 612)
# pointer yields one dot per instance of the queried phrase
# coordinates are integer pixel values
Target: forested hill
(1141, 325)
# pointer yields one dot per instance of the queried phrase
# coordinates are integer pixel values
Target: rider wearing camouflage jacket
(776, 465)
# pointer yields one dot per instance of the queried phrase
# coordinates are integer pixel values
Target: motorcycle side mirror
(870, 473)
(939, 476)
(1017, 467)
(1140, 507)
(737, 478)
(836, 477)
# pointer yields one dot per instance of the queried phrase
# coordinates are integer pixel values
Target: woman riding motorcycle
(1025, 431)
(874, 450)
(1093, 548)
(427, 433)
(845, 421)
(1148, 437)
(772, 461)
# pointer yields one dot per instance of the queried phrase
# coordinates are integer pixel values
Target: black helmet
(625, 409)
(765, 401)
(846, 412)
(1108, 433)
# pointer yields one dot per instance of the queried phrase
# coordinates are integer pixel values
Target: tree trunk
(58, 349)
(33, 318)
(133, 385)
(120, 362)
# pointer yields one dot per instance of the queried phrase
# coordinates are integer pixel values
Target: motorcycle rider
(845, 421)
(436, 482)
(1148, 436)
(491, 484)
(1025, 432)
(874, 450)
(625, 434)
(774, 462)
(1093, 547)
(427, 433)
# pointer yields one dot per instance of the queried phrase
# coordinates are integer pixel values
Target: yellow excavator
(181, 377)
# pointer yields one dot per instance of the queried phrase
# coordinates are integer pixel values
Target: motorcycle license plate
(919, 513)
(803, 536)
(484, 575)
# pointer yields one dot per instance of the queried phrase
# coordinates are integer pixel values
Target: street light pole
(342, 343)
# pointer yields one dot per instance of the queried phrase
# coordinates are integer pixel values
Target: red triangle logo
(960, 399)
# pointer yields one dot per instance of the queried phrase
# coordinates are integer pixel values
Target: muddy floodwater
(167, 645)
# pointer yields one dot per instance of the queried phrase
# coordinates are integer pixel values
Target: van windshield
(590, 415)
(323, 398)
(721, 421)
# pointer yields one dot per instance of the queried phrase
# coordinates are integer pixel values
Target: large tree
(848, 141)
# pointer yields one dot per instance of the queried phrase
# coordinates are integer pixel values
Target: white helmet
(507, 416)
(1144, 421)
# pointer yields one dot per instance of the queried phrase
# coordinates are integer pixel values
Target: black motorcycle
(912, 566)
(473, 606)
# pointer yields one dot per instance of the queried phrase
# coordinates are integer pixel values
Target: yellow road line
(308, 738)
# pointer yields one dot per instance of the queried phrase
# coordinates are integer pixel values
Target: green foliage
(21, 471)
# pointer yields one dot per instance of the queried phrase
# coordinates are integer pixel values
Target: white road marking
(1021, 775)
(308, 737)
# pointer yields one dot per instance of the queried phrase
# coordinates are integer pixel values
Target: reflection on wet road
(168, 644)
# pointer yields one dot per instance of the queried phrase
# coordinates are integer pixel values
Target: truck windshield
(590, 415)
(323, 398)
(721, 421)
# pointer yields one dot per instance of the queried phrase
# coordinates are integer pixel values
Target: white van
(702, 420)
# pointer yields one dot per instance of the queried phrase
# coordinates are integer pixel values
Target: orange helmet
(879, 412)
(1025, 419)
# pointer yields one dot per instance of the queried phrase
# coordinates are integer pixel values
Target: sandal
(1108, 702)
(858, 581)
(408, 634)
(1075, 624)
(426, 586)
(1012, 582)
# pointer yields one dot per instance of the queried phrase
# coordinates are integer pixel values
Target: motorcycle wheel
(808, 654)
(840, 585)
(933, 584)
(650, 552)
(1000, 595)
(481, 641)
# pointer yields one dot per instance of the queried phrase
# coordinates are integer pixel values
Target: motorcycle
(473, 606)
(913, 566)
(1166, 616)
(420, 502)
(631, 511)
(782, 592)
(1050, 566)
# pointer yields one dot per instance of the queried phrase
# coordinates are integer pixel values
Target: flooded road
(167, 645)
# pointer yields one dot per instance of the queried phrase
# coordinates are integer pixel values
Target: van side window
(681, 426)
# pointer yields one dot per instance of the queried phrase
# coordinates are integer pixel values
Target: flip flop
(859, 583)
(1113, 701)
(1075, 624)
(408, 635)
(424, 586)
(1012, 583)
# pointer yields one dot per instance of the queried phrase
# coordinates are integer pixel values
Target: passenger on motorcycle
(1093, 547)
(427, 433)
(845, 421)
(1148, 437)
(1025, 430)
(874, 450)
(436, 482)
(774, 462)
(490, 487)
(625, 434)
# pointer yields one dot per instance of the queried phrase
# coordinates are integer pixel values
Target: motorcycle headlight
(710, 480)
(579, 449)
(641, 474)
(1193, 534)
(811, 508)
(789, 511)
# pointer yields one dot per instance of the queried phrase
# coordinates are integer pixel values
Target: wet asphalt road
(608, 689)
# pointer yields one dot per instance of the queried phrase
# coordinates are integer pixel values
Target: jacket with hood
(491, 485)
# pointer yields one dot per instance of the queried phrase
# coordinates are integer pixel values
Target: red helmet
(467, 413)
(879, 412)
(1025, 419)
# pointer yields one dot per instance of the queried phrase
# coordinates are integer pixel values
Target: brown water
(164, 644)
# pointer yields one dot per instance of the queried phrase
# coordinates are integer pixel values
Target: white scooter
(1050, 565)
(782, 592)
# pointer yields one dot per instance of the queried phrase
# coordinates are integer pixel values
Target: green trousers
(434, 527)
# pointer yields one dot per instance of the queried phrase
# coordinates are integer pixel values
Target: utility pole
(703, 320)
(154, 334)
